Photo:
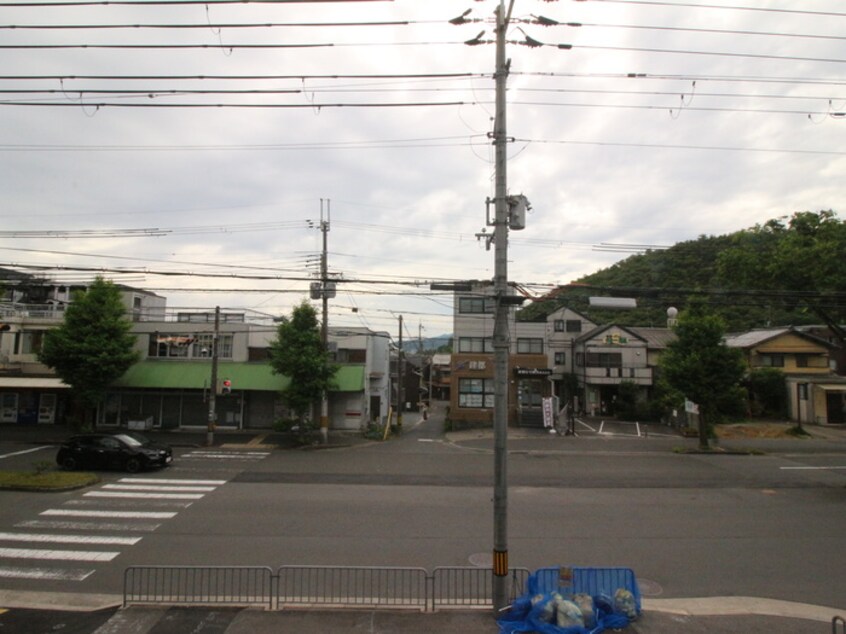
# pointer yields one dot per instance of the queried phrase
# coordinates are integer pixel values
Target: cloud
(693, 144)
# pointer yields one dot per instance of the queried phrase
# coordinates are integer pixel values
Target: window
(31, 341)
(529, 346)
(185, 346)
(772, 360)
(476, 393)
(558, 325)
(802, 361)
(560, 358)
(574, 325)
(604, 360)
(803, 391)
(475, 305)
(475, 344)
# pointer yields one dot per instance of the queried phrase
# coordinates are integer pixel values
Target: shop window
(476, 393)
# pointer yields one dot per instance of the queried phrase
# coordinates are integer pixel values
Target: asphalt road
(690, 525)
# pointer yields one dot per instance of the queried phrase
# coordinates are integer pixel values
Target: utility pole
(324, 328)
(400, 377)
(501, 342)
(213, 391)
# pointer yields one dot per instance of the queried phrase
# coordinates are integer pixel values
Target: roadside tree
(700, 366)
(298, 353)
(92, 348)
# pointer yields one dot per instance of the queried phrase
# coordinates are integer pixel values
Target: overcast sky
(730, 121)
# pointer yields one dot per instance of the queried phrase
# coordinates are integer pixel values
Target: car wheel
(69, 463)
(133, 465)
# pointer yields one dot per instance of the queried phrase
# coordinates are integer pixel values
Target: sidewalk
(717, 615)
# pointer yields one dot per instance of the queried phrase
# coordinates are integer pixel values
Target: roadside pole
(213, 390)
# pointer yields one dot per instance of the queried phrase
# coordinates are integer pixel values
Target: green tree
(93, 346)
(298, 353)
(802, 256)
(700, 366)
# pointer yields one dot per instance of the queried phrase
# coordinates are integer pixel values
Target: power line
(690, 5)
(91, 3)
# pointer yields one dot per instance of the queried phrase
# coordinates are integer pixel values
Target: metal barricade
(470, 587)
(198, 585)
(352, 586)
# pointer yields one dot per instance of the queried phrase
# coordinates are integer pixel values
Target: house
(609, 355)
(816, 394)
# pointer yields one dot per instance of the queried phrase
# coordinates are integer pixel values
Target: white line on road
(47, 574)
(171, 481)
(66, 555)
(20, 453)
(146, 527)
(812, 468)
(148, 496)
(69, 539)
(156, 515)
(151, 487)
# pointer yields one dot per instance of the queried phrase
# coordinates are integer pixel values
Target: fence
(192, 585)
(316, 586)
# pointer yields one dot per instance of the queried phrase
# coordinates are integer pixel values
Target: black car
(128, 451)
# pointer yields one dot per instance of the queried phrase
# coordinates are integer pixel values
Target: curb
(735, 606)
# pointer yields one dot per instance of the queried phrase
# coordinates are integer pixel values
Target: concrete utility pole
(400, 377)
(213, 391)
(324, 328)
(501, 343)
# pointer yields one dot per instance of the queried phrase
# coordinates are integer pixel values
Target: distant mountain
(429, 344)
(667, 278)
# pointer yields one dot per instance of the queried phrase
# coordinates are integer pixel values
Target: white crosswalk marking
(48, 574)
(157, 515)
(172, 481)
(142, 495)
(99, 511)
(69, 539)
(155, 487)
(67, 555)
(138, 527)
(227, 455)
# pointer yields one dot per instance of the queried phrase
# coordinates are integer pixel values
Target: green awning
(196, 375)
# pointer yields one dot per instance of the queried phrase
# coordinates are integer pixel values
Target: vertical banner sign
(547, 411)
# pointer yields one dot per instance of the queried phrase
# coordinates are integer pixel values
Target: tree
(802, 257)
(700, 366)
(93, 346)
(298, 353)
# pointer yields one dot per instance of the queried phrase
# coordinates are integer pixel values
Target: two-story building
(816, 394)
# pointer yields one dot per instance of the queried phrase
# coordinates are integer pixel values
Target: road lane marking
(65, 555)
(162, 489)
(148, 496)
(51, 574)
(139, 527)
(69, 539)
(812, 468)
(155, 515)
(171, 481)
(25, 451)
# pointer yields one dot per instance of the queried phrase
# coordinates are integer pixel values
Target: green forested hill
(769, 275)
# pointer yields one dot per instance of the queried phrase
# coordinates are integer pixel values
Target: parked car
(128, 451)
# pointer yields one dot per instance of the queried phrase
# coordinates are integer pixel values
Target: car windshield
(129, 440)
